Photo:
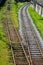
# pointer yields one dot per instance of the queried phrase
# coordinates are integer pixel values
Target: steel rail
(14, 42)
(33, 33)
(29, 56)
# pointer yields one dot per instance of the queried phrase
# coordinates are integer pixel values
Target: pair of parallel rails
(29, 34)
(18, 50)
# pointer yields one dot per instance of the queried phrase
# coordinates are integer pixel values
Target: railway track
(18, 53)
(30, 38)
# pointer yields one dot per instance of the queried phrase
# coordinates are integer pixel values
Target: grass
(14, 13)
(37, 20)
(4, 53)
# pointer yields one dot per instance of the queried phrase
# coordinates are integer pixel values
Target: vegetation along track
(30, 38)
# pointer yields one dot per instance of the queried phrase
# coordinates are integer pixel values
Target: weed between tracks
(37, 19)
(14, 13)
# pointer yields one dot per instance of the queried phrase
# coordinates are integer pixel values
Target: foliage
(14, 13)
(37, 19)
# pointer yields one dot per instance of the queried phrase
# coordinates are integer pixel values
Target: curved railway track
(30, 38)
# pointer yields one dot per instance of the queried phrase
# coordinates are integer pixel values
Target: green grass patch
(14, 13)
(4, 53)
(37, 20)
